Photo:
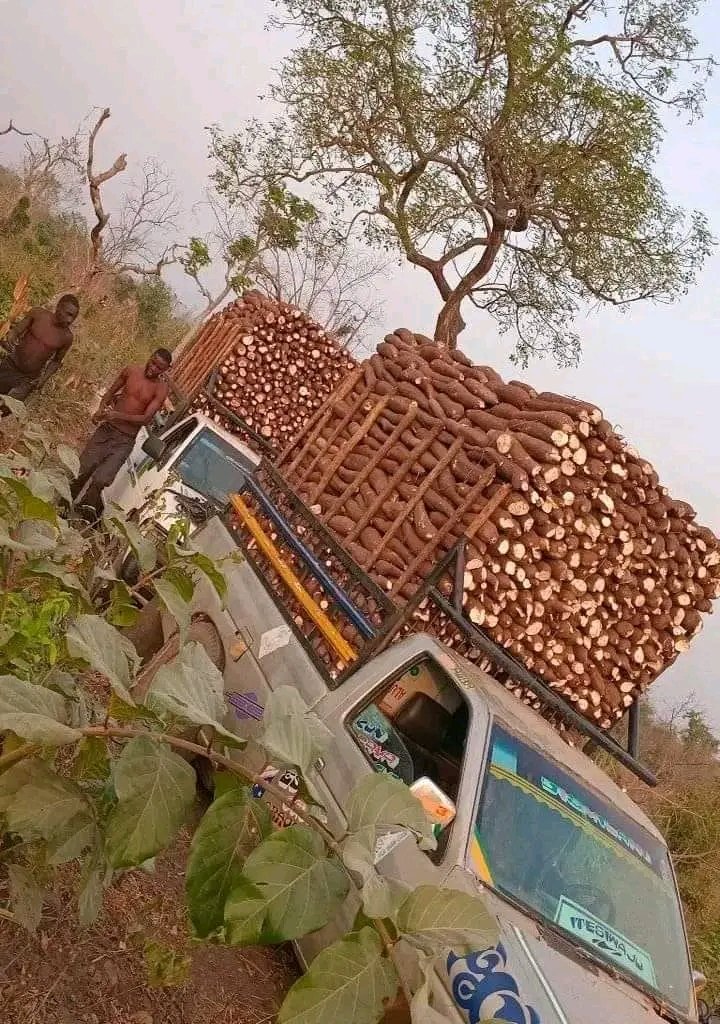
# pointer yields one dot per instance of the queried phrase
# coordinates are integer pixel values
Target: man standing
(130, 402)
(36, 347)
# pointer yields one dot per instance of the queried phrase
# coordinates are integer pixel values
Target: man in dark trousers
(36, 346)
(130, 402)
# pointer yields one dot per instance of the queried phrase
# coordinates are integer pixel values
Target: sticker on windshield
(595, 932)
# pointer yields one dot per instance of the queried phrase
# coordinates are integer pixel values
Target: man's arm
(17, 330)
(140, 418)
(53, 365)
(117, 385)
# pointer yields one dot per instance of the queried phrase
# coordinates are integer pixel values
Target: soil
(67, 975)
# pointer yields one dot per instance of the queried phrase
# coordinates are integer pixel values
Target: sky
(168, 69)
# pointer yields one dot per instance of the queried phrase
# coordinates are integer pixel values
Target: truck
(579, 878)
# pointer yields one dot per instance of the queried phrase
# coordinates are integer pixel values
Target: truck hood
(163, 506)
(534, 978)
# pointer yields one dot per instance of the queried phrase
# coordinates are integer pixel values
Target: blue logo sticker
(485, 990)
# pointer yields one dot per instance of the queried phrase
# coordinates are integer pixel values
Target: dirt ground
(67, 975)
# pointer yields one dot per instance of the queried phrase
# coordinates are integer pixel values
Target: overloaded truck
(580, 880)
(471, 583)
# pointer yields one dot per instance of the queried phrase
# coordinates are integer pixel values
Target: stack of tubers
(276, 366)
(578, 560)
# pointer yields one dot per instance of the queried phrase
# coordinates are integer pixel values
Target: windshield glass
(544, 839)
(212, 467)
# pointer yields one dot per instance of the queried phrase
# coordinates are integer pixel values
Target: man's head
(67, 310)
(158, 363)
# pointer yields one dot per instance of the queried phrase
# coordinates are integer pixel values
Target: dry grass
(66, 975)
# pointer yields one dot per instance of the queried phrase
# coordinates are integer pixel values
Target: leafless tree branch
(11, 128)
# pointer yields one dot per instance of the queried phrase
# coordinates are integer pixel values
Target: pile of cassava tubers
(276, 366)
(578, 561)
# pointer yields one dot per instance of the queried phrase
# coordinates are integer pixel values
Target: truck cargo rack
(442, 588)
(452, 608)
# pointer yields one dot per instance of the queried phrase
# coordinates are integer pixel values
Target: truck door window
(415, 727)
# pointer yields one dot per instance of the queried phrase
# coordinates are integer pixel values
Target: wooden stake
(375, 461)
(316, 422)
(400, 473)
(429, 480)
(346, 449)
(485, 480)
(484, 514)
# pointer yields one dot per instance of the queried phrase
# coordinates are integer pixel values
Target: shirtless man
(36, 347)
(130, 402)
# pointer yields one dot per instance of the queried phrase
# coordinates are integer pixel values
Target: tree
(507, 148)
(265, 236)
(329, 278)
(697, 732)
(136, 241)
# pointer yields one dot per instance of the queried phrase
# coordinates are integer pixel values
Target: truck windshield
(547, 841)
(211, 466)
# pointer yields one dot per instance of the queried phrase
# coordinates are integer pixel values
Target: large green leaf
(123, 611)
(34, 713)
(73, 839)
(29, 536)
(438, 919)
(91, 761)
(302, 886)
(230, 830)
(69, 458)
(42, 567)
(90, 889)
(209, 569)
(349, 981)
(174, 601)
(291, 733)
(143, 547)
(421, 1011)
(381, 897)
(26, 897)
(245, 913)
(381, 801)
(155, 790)
(190, 688)
(99, 644)
(36, 802)
(49, 484)
(30, 505)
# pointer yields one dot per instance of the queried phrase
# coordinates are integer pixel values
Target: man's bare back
(43, 336)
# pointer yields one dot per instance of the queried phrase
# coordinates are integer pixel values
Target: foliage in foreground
(108, 784)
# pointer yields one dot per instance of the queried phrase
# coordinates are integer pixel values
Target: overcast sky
(169, 68)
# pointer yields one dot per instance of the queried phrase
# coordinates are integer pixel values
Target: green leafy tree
(124, 786)
(698, 734)
(507, 148)
(265, 236)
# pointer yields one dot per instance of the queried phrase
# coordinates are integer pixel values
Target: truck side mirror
(154, 447)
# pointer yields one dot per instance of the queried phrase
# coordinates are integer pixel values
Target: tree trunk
(449, 323)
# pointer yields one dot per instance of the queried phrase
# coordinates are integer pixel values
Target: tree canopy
(506, 147)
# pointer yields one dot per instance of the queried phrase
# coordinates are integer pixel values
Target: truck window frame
(183, 432)
(439, 855)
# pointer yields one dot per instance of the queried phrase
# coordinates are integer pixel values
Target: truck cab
(193, 462)
(580, 880)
